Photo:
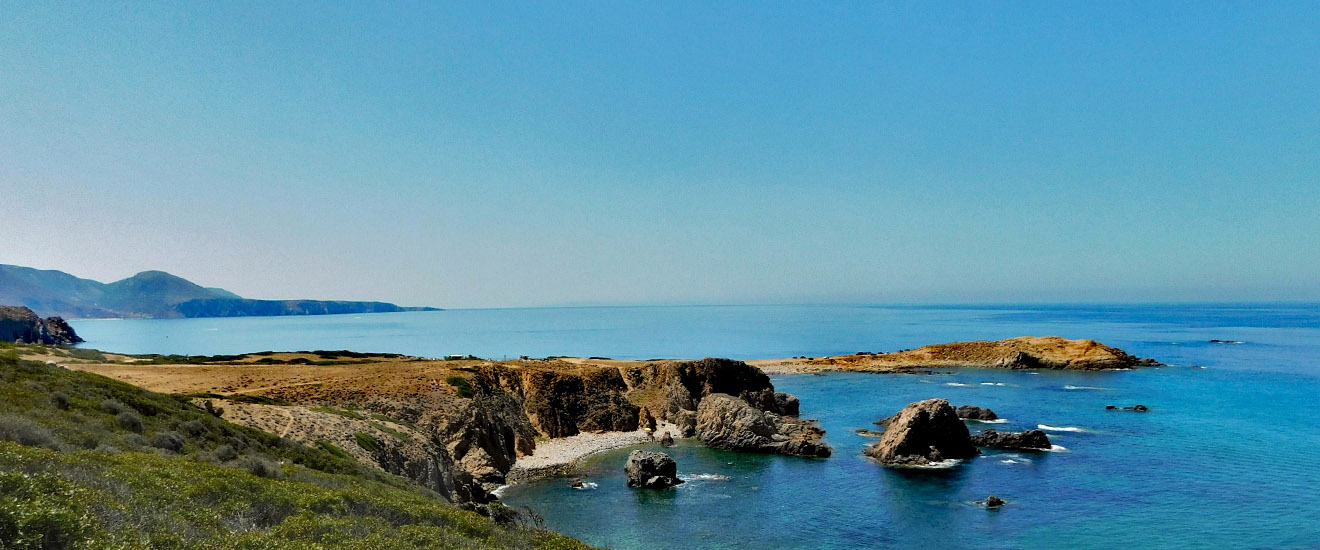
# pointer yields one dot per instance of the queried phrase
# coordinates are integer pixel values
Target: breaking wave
(707, 477)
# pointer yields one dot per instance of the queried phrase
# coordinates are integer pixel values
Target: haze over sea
(1226, 457)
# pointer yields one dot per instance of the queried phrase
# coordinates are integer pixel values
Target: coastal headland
(463, 427)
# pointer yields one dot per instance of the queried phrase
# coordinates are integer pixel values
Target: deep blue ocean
(1228, 456)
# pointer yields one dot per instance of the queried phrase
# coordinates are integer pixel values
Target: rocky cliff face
(561, 400)
(20, 324)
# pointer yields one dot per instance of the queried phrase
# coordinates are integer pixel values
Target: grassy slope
(89, 462)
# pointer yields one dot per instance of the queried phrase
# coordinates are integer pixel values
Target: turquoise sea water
(1227, 457)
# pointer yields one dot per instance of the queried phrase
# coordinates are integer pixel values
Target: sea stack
(923, 433)
(651, 470)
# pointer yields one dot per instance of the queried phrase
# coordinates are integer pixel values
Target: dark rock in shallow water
(651, 470)
(976, 413)
(993, 501)
(924, 432)
(1030, 440)
(886, 421)
(729, 423)
(1134, 408)
(869, 433)
(667, 440)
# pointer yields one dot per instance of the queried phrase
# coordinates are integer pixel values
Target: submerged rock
(651, 470)
(667, 440)
(727, 422)
(923, 433)
(976, 413)
(1134, 408)
(993, 501)
(1030, 440)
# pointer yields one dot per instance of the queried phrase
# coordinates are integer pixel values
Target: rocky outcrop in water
(651, 470)
(1134, 408)
(20, 324)
(923, 433)
(969, 412)
(730, 423)
(993, 502)
(1030, 440)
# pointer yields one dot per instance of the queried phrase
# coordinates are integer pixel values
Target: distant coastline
(155, 295)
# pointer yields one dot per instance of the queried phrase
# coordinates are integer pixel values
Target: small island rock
(651, 470)
(1030, 440)
(976, 413)
(922, 433)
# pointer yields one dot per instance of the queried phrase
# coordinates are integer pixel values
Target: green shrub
(262, 467)
(368, 442)
(461, 385)
(113, 406)
(341, 412)
(23, 431)
(170, 441)
(332, 449)
(396, 433)
(130, 422)
(87, 354)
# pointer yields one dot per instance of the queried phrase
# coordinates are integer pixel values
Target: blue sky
(494, 154)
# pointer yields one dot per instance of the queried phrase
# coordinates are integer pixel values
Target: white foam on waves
(1058, 449)
(995, 421)
(941, 465)
(957, 384)
(993, 384)
(1072, 387)
(707, 477)
(1050, 428)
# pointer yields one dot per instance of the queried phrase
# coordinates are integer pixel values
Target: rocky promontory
(1026, 352)
(20, 324)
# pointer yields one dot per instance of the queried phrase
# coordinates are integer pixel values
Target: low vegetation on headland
(90, 462)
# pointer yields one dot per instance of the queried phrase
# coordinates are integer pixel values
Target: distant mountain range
(154, 294)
